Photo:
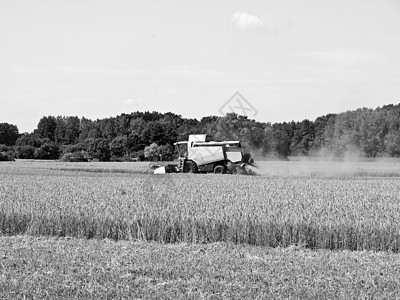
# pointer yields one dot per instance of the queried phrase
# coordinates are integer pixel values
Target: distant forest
(150, 136)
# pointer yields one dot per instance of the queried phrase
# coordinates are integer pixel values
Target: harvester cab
(200, 154)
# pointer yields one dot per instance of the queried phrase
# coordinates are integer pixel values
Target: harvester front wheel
(219, 169)
(189, 167)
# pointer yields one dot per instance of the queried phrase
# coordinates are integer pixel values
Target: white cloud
(244, 21)
(346, 57)
(344, 64)
(278, 24)
(78, 69)
(132, 102)
(188, 72)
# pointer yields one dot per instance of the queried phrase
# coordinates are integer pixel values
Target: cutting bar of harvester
(241, 168)
(160, 169)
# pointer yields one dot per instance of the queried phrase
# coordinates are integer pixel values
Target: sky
(288, 59)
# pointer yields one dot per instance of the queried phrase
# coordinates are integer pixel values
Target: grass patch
(37, 267)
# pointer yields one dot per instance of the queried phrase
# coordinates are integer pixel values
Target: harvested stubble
(333, 213)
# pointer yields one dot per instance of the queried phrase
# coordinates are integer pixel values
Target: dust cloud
(352, 163)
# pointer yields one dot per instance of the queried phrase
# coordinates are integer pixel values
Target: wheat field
(314, 209)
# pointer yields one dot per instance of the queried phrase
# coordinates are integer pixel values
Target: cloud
(132, 102)
(346, 57)
(77, 69)
(244, 21)
(196, 72)
(344, 64)
(277, 24)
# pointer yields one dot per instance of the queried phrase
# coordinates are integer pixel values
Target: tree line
(150, 135)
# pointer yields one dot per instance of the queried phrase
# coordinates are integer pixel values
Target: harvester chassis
(220, 167)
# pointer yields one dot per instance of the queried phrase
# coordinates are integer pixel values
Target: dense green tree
(24, 152)
(155, 152)
(46, 128)
(8, 134)
(4, 156)
(29, 139)
(99, 149)
(86, 126)
(152, 152)
(48, 150)
(118, 147)
(280, 144)
(134, 142)
(365, 132)
(303, 138)
(72, 130)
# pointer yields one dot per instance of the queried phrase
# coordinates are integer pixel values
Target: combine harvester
(200, 154)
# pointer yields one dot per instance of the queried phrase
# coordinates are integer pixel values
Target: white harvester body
(200, 154)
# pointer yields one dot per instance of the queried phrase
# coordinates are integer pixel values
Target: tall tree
(46, 127)
(8, 134)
